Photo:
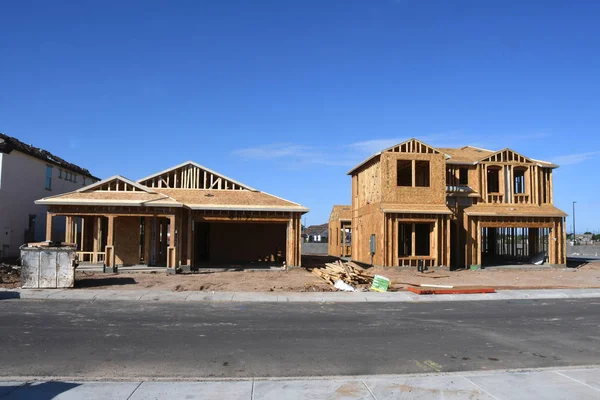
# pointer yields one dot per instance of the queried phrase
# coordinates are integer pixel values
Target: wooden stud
(49, 217)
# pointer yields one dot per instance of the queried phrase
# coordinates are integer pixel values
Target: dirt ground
(301, 280)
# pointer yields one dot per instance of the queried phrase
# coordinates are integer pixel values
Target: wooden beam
(81, 244)
(97, 237)
(413, 241)
(147, 239)
(110, 233)
(190, 241)
(478, 244)
(49, 217)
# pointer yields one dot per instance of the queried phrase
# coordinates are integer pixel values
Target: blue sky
(287, 96)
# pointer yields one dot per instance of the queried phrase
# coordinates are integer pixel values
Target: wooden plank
(49, 218)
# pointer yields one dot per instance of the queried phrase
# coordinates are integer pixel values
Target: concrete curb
(283, 297)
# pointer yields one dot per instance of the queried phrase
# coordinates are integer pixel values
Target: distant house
(26, 174)
(316, 234)
(585, 239)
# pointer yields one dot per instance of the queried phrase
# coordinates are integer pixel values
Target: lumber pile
(348, 272)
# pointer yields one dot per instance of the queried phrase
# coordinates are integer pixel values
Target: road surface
(177, 340)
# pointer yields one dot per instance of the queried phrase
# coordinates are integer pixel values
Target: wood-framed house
(185, 216)
(413, 203)
(340, 231)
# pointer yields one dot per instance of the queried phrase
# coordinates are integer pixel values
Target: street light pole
(574, 233)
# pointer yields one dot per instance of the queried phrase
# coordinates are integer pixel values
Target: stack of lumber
(348, 272)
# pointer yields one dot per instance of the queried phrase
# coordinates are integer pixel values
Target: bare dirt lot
(301, 280)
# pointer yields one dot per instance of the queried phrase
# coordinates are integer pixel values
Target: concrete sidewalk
(279, 297)
(576, 383)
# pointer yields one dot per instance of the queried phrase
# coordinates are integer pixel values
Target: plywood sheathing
(339, 220)
(392, 193)
(228, 198)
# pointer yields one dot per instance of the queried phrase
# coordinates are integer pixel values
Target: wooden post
(289, 243)
(448, 243)
(110, 233)
(395, 255)
(190, 234)
(478, 243)
(49, 217)
(147, 239)
(109, 256)
(68, 229)
(413, 239)
(171, 253)
(97, 238)
(82, 244)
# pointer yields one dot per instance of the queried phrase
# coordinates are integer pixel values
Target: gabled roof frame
(195, 164)
(436, 151)
(115, 177)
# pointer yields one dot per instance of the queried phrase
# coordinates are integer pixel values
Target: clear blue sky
(287, 96)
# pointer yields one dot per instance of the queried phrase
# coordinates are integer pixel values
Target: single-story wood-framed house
(185, 216)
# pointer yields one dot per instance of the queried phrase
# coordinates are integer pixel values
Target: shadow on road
(9, 295)
(95, 282)
(36, 391)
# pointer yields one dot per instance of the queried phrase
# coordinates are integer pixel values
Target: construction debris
(348, 272)
(341, 285)
(380, 283)
(463, 290)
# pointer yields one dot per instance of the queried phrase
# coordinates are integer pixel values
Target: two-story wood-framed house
(185, 216)
(413, 203)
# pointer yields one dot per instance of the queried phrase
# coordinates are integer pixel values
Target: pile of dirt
(10, 276)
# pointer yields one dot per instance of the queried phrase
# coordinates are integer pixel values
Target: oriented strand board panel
(392, 193)
(127, 240)
(368, 183)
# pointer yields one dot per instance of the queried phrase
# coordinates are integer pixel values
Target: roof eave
(242, 208)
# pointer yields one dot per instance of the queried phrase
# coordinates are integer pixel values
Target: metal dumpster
(50, 266)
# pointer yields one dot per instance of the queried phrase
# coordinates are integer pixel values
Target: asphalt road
(176, 340)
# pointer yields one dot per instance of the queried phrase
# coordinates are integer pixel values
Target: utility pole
(574, 232)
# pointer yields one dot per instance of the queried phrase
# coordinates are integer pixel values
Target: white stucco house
(27, 174)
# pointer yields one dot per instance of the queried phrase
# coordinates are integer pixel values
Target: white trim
(198, 166)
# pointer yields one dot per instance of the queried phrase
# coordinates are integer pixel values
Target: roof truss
(507, 156)
(116, 183)
(191, 175)
(412, 146)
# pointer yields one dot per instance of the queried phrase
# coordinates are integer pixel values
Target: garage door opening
(505, 246)
(240, 244)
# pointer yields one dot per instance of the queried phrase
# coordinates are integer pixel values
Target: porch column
(109, 257)
(49, 217)
(81, 242)
(478, 247)
(68, 229)
(171, 254)
(292, 250)
(97, 238)
(190, 234)
(147, 239)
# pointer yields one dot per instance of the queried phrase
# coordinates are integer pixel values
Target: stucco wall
(22, 181)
